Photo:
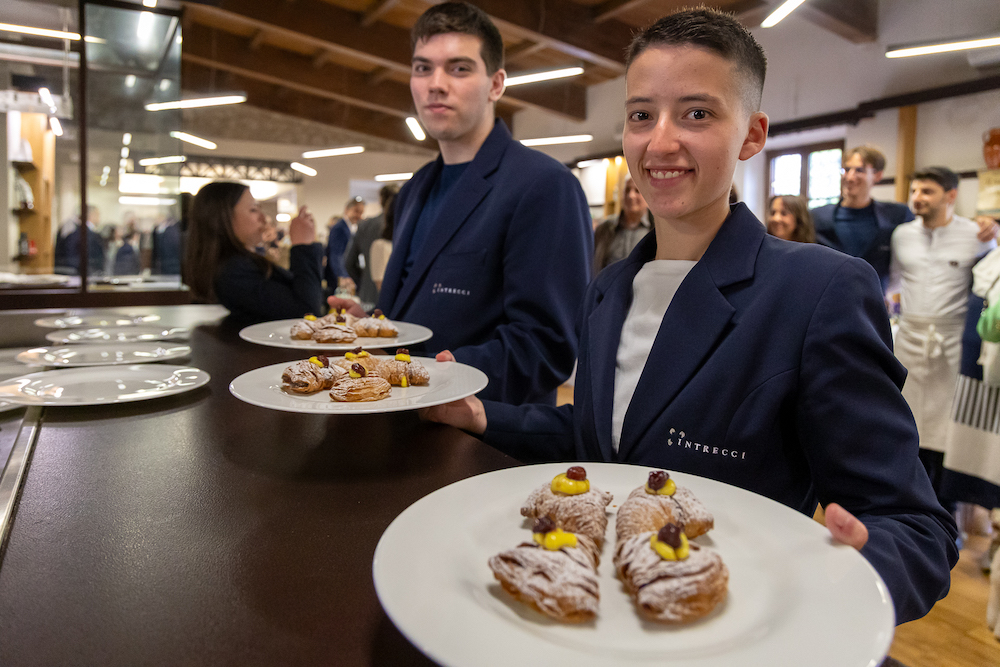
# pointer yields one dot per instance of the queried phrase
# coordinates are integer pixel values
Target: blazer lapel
(698, 318)
(463, 198)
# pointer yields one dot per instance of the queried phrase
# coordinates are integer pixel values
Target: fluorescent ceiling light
(47, 98)
(149, 3)
(415, 129)
(170, 159)
(330, 152)
(145, 25)
(781, 12)
(583, 164)
(383, 178)
(302, 169)
(164, 84)
(124, 151)
(126, 139)
(129, 80)
(551, 141)
(43, 32)
(140, 184)
(283, 217)
(146, 201)
(964, 44)
(197, 102)
(56, 126)
(543, 76)
(197, 141)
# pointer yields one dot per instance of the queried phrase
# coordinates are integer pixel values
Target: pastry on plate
(402, 371)
(670, 579)
(376, 326)
(659, 502)
(359, 356)
(335, 333)
(304, 328)
(340, 316)
(555, 573)
(311, 375)
(573, 503)
(359, 386)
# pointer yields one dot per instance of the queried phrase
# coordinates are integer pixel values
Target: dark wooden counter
(199, 530)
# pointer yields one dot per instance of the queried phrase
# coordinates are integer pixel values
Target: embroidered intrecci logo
(953, 263)
(680, 440)
(438, 288)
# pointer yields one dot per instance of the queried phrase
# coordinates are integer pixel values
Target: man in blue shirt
(341, 233)
(493, 241)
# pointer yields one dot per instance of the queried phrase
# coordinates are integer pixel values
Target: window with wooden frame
(812, 172)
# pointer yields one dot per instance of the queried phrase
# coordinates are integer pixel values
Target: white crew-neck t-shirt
(652, 291)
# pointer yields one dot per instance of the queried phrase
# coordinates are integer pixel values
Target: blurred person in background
(220, 265)
(381, 249)
(358, 258)
(68, 242)
(339, 238)
(788, 218)
(127, 256)
(615, 238)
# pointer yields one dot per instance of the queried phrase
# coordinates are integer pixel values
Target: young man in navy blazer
(493, 241)
(718, 350)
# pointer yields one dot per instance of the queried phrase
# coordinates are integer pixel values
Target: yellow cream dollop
(311, 318)
(403, 382)
(354, 374)
(381, 317)
(667, 552)
(554, 539)
(314, 360)
(570, 487)
(668, 489)
(403, 357)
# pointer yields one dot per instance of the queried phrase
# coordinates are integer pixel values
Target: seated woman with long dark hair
(220, 266)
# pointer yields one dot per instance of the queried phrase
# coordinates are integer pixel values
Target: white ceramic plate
(795, 598)
(95, 320)
(128, 334)
(449, 381)
(276, 334)
(110, 354)
(5, 406)
(101, 385)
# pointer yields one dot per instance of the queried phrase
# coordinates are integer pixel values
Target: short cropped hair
(943, 176)
(461, 17)
(717, 31)
(870, 155)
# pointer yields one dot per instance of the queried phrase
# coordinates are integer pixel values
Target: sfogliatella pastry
(572, 503)
(335, 333)
(304, 328)
(359, 356)
(555, 573)
(402, 371)
(310, 376)
(375, 326)
(359, 386)
(340, 316)
(659, 502)
(671, 579)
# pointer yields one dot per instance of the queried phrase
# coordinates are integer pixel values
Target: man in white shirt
(932, 260)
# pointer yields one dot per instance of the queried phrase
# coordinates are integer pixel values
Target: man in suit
(341, 233)
(857, 224)
(358, 260)
(719, 350)
(493, 241)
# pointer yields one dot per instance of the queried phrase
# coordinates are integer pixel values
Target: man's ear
(497, 83)
(950, 196)
(756, 136)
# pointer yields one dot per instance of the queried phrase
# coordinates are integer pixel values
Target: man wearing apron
(932, 259)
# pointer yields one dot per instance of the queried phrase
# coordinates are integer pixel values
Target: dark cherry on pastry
(659, 502)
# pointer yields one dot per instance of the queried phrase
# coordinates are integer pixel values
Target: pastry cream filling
(554, 540)
(667, 552)
(570, 487)
(381, 317)
(403, 357)
(352, 355)
(403, 382)
(311, 318)
(668, 489)
(314, 360)
(355, 374)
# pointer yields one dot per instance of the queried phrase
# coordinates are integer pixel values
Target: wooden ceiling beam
(257, 40)
(381, 44)
(613, 8)
(376, 10)
(854, 20)
(273, 97)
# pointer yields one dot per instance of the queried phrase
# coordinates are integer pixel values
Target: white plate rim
(151, 332)
(199, 377)
(259, 334)
(266, 379)
(30, 356)
(432, 537)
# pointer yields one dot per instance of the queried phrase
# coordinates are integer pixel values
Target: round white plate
(795, 598)
(276, 334)
(95, 320)
(449, 381)
(5, 406)
(128, 334)
(110, 354)
(101, 385)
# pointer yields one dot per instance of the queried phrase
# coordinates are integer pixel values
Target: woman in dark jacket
(220, 266)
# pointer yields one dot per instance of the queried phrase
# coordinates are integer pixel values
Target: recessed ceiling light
(928, 48)
(534, 77)
(196, 102)
(552, 141)
(781, 12)
(415, 129)
(330, 152)
(197, 141)
(302, 169)
(386, 178)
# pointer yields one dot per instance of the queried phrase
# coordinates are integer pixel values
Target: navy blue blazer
(251, 295)
(502, 272)
(772, 371)
(336, 247)
(888, 215)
